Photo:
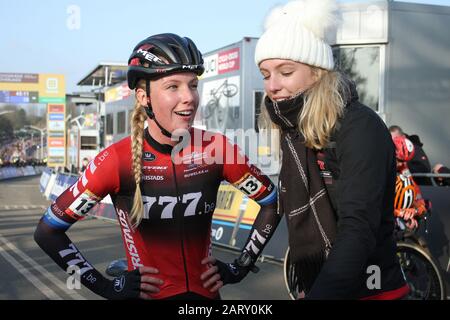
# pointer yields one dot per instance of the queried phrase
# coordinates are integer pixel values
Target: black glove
(234, 272)
(127, 286)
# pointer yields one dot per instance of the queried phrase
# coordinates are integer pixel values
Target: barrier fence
(15, 172)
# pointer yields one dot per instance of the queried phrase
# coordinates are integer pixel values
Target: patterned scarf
(302, 195)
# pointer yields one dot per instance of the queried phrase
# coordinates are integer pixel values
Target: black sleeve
(262, 230)
(365, 157)
(61, 249)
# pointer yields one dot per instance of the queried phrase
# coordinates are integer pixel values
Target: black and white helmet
(163, 54)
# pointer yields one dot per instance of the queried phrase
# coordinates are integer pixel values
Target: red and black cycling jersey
(179, 189)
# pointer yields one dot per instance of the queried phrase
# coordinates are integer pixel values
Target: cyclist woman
(336, 184)
(163, 189)
(408, 202)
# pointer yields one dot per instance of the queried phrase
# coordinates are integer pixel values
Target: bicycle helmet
(404, 148)
(163, 54)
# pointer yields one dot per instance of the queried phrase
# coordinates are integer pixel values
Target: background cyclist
(408, 203)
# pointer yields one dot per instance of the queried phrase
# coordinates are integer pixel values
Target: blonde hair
(323, 105)
(137, 142)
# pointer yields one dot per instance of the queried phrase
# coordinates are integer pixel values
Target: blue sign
(56, 116)
(18, 97)
(4, 96)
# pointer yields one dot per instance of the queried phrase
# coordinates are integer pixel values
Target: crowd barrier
(45, 178)
(62, 182)
(52, 184)
(15, 172)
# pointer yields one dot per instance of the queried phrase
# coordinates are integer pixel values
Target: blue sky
(36, 38)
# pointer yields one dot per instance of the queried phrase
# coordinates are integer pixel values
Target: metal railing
(431, 175)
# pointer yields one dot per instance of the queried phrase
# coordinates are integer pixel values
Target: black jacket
(419, 163)
(361, 160)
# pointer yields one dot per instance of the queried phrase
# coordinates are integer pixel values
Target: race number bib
(81, 206)
(250, 185)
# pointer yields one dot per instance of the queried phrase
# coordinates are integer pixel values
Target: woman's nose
(273, 85)
(188, 95)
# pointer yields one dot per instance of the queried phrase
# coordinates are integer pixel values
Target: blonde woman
(164, 198)
(338, 161)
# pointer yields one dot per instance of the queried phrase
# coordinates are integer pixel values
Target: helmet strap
(151, 114)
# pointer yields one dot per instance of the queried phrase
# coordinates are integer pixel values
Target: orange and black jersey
(179, 188)
(407, 193)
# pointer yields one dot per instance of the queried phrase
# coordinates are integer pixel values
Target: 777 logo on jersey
(82, 204)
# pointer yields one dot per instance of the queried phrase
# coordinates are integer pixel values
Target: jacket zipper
(181, 227)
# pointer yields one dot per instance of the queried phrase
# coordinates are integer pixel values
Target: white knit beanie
(297, 31)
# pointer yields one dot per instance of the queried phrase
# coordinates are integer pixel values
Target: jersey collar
(162, 148)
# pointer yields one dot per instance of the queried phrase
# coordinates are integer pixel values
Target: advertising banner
(18, 97)
(19, 77)
(33, 88)
(233, 219)
(23, 88)
(51, 88)
(220, 104)
(228, 61)
(56, 128)
(221, 62)
(55, 142)
(117, 93)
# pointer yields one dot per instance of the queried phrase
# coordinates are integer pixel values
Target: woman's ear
(141, 96)
(316, 74)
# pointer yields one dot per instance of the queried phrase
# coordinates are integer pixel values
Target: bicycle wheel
(421, 273)
(230, 90)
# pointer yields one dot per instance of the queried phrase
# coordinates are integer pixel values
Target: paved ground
(27, 272)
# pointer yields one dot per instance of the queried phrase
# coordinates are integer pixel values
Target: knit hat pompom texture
(297, 31)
